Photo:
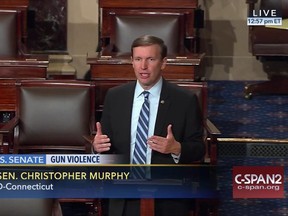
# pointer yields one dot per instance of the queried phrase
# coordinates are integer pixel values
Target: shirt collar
(154, 91)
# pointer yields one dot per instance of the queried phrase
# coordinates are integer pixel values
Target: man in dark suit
(175, 133)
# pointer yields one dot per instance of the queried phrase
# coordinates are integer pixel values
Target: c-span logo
(258, 182)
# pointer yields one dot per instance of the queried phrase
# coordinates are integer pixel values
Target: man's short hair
(148, 40)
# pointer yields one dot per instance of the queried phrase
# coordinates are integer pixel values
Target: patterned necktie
(140, 150)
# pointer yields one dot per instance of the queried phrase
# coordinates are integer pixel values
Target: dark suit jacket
(177, 106)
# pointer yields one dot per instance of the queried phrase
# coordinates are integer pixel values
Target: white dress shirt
(138, 100)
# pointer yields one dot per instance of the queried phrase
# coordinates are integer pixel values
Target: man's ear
(164, 62)
(132, 61)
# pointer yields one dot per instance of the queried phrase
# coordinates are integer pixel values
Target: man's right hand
(101, 142)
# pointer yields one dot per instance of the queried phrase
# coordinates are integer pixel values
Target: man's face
(148, 65)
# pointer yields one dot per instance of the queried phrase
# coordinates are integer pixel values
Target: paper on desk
(283, 26)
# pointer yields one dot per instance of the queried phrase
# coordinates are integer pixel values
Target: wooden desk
(15, 69)
(110, 71)
(119, 67)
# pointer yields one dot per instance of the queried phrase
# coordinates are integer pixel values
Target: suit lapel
(126, 112)
(163, 107)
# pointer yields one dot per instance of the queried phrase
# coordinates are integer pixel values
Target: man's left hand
(165, 145)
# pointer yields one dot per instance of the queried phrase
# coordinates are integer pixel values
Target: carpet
(235, 116)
